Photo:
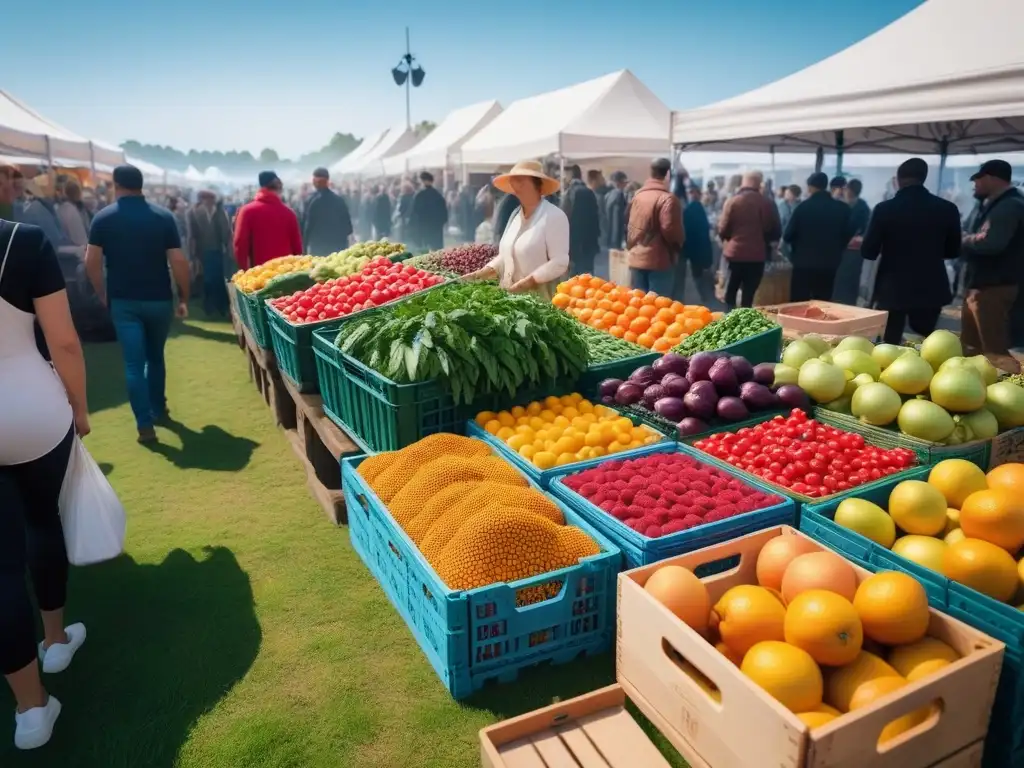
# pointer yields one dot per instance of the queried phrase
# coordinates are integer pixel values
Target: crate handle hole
(560, 718)
(394, 549)
(718, 567)
(427, 593)
(700, 681)
(363, 504)
(935, 710)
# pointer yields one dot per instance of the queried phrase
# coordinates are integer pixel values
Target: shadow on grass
(106, 468)
(207, 334)
(166, 643)
(211, 448)
(104, 377)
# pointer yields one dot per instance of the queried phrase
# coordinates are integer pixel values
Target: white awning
(24, 131)
(356, 157)
(398, 140)
(440, 148)
(611, 116)
(949, 74)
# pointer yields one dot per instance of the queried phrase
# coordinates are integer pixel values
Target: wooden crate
(716, 716)
(591, 731)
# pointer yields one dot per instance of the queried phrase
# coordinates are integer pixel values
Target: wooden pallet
(315, 439)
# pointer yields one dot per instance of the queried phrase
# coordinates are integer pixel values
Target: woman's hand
(487, 273)
(82, 426)
(528, 283)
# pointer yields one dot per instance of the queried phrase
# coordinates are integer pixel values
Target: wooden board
(311, 408)
(331, 501)
(590, 731)
(704, 701)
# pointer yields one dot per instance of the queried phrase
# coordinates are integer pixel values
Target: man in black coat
(381, 213)
(580, 205)
(327, 226)
(428, 216)
(915, 233)
(818, 232)
(615, 203)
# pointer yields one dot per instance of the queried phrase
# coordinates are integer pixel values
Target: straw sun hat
(527, 168)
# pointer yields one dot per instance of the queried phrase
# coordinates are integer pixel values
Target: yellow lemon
(544, 459)
(493, 426)
(598, 451)
(518, 411)
(561, 421)
(505, 433)
(623, 425)
(565, 458)
(565, 445)
(548, 415)
(484, 416)
(506, 419)
(533, 409)
(623, 438)
(570, 413)
(515, 442)
(585, 407)
(527, 452)
(536, 423)
(568, 401)
(552, 403)
(594, 438)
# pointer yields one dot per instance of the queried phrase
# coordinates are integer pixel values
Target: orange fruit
(723, 649)
(624, 320)
(586, 314)
(996, 516)
(648, 311)
(618, 307)
(841, 683)
(675, 330)
(826, 625)
(560, 300)
(1009, 477)
(672, 340)
(787, 673)
(616, 331)
(662, 301)
(868, 693)
(605, 304)
(818, 570)
(630, 337)
(661, 345)
(677, 307)
(775, 557)
(596, 282)
(682, 593)
(590, 293)
(577, 292)
(893, 608)
(666, 315)
(645, 340)
(747, 615)
(639, 324)
(631, 311)
(658, 328)
(922, 658)
(982, 566)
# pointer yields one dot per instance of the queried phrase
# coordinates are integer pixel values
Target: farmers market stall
(532, 481)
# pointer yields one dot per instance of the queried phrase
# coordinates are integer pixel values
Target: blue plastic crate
(1004, 747)
(641, 550)
(542, 477)
(480, 635)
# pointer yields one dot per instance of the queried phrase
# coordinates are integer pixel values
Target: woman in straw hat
(534, 250)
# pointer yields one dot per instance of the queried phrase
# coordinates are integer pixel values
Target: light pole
(409, 73)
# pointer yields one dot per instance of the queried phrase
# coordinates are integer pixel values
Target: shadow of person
(211, 448)
(166, 643)
(188, 329)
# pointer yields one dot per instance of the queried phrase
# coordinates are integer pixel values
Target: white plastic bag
(93, 518)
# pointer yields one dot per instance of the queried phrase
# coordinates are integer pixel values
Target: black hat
(618, 176)
(818, 180)
(128, 177)
(427, 176)
(267, 178)
(838, 182)
(321, 173)
(1000, 169)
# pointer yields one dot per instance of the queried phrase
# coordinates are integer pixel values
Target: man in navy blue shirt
(136, 241)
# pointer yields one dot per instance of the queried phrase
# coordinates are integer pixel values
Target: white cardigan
(537, 246)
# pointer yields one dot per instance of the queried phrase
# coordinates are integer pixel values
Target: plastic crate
(293, 348)
(613, 369)
(541, 477)
(850, 320)
(641, 550)
(382, 415)
(799, 497)
(1004, 747)
(670, 430)
(764, 347)
(254, 318)
(976, 451)
(472, 637)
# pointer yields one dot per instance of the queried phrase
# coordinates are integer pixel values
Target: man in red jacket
(266, 228)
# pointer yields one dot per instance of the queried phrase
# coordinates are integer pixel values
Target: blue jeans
(142, 328)
(661, 282)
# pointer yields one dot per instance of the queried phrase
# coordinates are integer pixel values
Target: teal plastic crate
(798, 497)
(254, 318)
(293, 348)
(382, 415)
(1004, 747)
(639, 549)
(477, 636)
(541, 477)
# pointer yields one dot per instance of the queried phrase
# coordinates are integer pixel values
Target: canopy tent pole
(92, 162)
(943, 152)
(839, 153)
(771, 150)
(819, 159)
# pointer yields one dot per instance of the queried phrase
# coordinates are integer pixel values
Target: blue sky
(287, 75)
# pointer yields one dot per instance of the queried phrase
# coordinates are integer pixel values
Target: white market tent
(946, 78)
(440, 148)
(193, 174)
(397, 141)
(611, 116)
(25, 132)
(355, 158)
(215, 175)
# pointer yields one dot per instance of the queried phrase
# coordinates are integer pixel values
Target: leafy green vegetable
(737, 325)
(605, 348)
(475, 337)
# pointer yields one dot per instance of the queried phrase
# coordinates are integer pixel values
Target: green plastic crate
(668, 428)
(977, 451)
(293, 348)
(254, 318)
(613, 369)
(764, 347)
(382, 415)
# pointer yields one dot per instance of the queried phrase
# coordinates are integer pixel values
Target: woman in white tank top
(41, 408)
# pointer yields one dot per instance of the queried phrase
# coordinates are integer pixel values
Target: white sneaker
(58, 656)
(32, 729)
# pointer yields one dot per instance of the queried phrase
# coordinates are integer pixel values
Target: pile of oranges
(652, 321)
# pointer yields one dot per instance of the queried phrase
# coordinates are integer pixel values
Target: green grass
(241, 629)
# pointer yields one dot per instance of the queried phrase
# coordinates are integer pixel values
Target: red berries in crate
(664, 493)
(380, 281)
(806, 456)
